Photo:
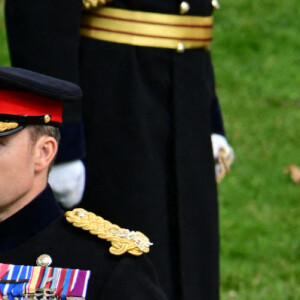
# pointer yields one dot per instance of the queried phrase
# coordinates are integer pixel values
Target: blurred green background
(256, 54)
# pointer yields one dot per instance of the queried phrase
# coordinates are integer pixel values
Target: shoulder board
(90, 4)
(122, 240)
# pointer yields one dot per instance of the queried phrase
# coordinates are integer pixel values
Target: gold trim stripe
(149, 17)
(147, 29)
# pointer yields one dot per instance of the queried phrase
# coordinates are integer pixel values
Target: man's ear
(45, 151)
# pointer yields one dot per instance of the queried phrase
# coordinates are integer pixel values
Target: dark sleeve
(217, 125)
(43, 36)
(133, 278)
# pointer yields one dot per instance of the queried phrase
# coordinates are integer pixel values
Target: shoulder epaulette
(122, 240)
(90, 4)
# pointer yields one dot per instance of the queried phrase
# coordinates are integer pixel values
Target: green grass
(4, 56)
(256, 57)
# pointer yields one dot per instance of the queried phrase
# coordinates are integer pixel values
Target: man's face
(16, 168)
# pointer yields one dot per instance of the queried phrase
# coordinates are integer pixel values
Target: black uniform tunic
(147, 114)
(40, 228)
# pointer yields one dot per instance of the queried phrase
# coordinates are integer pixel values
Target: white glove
(68, 181)
(223, 155)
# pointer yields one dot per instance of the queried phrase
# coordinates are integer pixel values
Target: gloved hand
(68, 181)
(223, 155)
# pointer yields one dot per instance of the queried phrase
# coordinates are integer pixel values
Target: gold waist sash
(147, 29)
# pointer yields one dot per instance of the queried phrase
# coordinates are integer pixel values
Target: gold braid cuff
(122, 240)
(4, 126)
(90, 4)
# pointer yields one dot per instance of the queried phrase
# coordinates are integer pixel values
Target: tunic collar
(31, 219)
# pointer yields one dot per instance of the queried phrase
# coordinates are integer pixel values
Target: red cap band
(28, 104)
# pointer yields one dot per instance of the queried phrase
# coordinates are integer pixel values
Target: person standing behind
(149, 110)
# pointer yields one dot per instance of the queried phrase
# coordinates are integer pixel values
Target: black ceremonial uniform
(41, 228)
(147, 113)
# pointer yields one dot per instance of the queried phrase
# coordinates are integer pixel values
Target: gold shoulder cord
(90, 4)
(4, 126)
(122, 240)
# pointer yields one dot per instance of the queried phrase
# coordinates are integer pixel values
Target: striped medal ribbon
(24, 282)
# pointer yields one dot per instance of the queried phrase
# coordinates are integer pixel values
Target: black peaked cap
(24, 80)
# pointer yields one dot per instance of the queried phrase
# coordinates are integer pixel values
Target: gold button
(47, 118)
(44, 260)
(184, 7)
(180, 48)
(215, 4)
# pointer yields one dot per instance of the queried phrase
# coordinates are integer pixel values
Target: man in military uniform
(149, 108)
(34, 231)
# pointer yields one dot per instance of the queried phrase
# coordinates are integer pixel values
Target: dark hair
(36, 131)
